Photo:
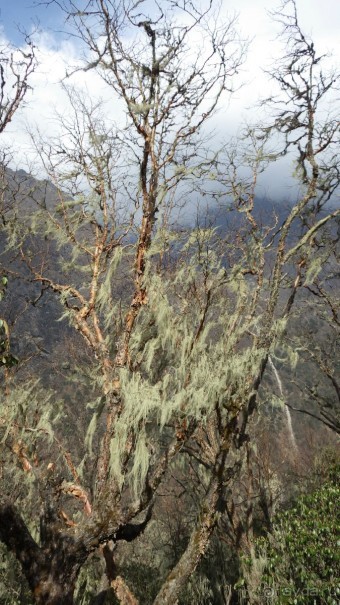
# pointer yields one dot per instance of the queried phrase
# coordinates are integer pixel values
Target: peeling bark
(198, 543)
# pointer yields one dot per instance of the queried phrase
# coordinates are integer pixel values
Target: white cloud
(47, 99)
(318, 19)
(57, 55)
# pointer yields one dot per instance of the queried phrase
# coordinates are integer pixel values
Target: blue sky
(321, 17)
(26, 14)
(56, 52)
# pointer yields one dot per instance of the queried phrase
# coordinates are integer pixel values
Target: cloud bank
(57, 56)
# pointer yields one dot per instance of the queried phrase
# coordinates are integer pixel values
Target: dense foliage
(301, 557)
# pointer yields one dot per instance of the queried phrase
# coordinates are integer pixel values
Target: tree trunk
(199, 540)
(52, 581)
(51, 570)
(53, 591)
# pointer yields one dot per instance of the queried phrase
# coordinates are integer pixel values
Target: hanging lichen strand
(154, 338)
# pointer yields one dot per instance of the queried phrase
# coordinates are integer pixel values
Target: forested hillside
(169, 351)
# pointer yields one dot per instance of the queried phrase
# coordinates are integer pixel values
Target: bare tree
(16, 67)
(178, 353)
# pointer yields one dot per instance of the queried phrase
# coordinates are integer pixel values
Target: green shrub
(302, 561)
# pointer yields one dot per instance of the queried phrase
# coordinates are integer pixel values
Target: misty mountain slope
(47, 346)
